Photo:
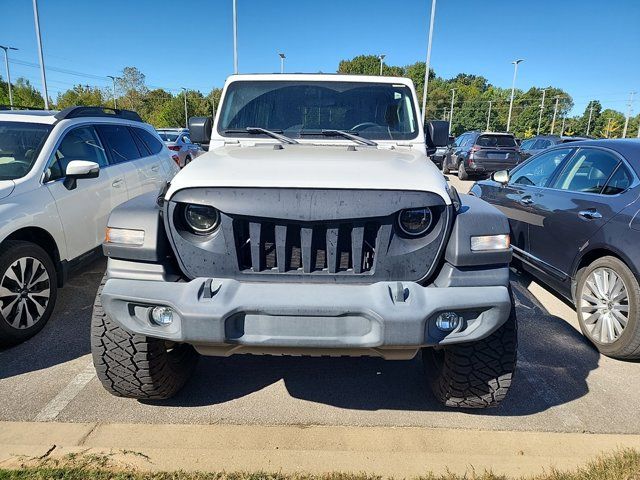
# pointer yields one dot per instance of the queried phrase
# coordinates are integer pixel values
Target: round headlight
(416, 221)
(202, 219)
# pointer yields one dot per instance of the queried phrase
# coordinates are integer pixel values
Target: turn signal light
(175, 148)
(124, 236)
(485, 243)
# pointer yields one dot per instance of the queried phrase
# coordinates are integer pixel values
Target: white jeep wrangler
(315, 225)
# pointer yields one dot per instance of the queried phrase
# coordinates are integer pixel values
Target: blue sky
(590, 48)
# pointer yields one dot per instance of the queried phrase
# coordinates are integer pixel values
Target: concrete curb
(398, 452)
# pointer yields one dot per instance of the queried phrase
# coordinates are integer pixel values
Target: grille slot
(268, 247)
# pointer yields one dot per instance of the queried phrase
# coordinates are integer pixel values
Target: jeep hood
(312, 166)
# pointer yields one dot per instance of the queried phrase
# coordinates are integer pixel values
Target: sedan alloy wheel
(604, 303)
(25, 292)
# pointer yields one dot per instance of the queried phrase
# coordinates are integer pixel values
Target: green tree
(80, 95)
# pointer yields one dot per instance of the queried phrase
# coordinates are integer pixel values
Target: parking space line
(52, 409)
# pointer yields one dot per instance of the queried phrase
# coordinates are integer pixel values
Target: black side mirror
(437, 133)
(77, 169)
(200, 130)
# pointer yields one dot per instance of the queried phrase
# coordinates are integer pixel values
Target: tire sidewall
(633, 289)
(14, 251)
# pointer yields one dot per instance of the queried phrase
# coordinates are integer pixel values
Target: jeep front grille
(265, 246)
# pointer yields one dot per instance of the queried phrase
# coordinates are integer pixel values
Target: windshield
(377, 111)
(20, 144)
(496, 141)
(168, 136)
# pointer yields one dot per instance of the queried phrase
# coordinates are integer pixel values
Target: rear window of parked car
(496, 141)
(121, 144)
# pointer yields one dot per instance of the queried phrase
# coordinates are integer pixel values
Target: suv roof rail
(75, 112)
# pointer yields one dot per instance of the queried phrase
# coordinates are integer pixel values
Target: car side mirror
(501, 177)
(200, 130)
(437, 133)
(79, 169)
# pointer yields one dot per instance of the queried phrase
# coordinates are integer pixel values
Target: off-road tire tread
(135, 366)
(476, 374)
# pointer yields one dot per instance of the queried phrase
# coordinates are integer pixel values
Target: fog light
(485, 243)
(124, 236)
(162, 316)
(448, 321)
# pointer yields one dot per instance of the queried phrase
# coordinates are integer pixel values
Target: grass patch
(621, 465)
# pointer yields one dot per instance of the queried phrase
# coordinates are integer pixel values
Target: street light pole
(427, 65)
(36, 19)
(609, 127)
(282, 57)
(544, 92)
(489, 115)
(555, 113)
(6, 64)
(590, 115)
(115, 102)
(235, 37)
(626, 120)
(563, 122)
(453, 96)
(186, 116)
(513, 89)
(381, 57)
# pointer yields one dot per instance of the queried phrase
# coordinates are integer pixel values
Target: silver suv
(61, 174)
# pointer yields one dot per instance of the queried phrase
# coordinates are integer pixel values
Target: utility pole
(381, 57)
(235, 37)
(590, 115)
(513, 90)
(282, 57)
(555, 113)
(427, 65)
(562, 130)
(444, 113)
(36, 19)
(489, 115)
(544, 92)
(453, 96)
(115, 102)
(186, 116)
(6, 64)
(629, 110)
(609, 127)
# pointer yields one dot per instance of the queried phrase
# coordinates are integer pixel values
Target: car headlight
(415, 221)
(202, 219)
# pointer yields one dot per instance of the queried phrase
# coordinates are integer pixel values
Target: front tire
(135, 366)
(28, 291)
(477, 374)
(445, 167)
(608, 307)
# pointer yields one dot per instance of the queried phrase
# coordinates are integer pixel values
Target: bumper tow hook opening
(211, 287)
(400, 293)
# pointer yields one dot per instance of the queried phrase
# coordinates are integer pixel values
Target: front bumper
(225, 316)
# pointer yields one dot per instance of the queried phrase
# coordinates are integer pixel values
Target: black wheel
(607, 297)
(462, 172)
(474, 375)
(187, 160)
(28, 291)
(135, 366)
(445, 167)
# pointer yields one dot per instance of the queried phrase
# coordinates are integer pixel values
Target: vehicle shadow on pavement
(554, 362)
(67, 334)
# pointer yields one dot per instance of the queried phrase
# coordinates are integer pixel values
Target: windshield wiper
(258, 130)
(341, 133)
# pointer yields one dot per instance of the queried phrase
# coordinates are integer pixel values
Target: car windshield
(169, 136)
(20, 144)
(496, 141)
(376, 111)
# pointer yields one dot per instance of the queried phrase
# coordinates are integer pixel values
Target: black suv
(536, 144)
(478, 153)
(574, 213)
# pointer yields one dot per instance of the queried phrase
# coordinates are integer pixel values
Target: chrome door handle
(590, 214)
(117, 183)
(526, 200)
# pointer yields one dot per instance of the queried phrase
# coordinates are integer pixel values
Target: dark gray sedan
(575, 224)
(535, 145)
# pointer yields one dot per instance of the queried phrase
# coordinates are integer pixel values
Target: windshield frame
(36, 154)
(409, 96)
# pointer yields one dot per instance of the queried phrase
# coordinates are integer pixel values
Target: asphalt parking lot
(562, 382)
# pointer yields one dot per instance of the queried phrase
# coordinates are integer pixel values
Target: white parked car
(61, 174)
(177, 140)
